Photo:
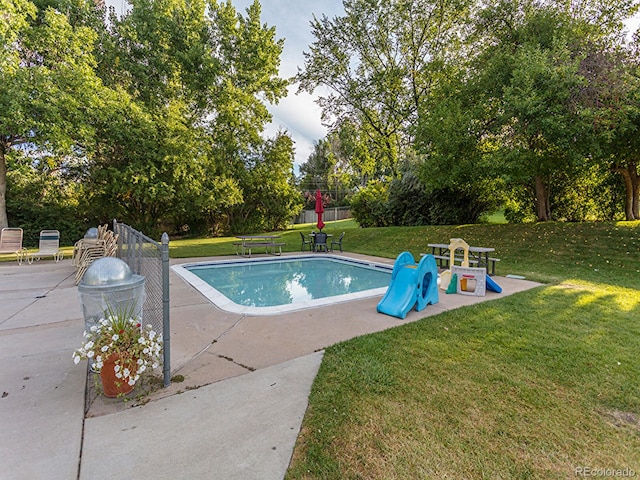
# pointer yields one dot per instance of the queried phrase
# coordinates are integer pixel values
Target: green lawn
(600, 252)
(535, 385)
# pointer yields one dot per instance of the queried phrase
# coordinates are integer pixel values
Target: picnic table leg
(444, 262)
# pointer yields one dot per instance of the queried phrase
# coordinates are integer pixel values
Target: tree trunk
(635, 184)
(632, 191)
(543, 208)
(3, 189)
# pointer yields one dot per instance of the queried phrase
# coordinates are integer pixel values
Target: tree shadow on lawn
(531, 385)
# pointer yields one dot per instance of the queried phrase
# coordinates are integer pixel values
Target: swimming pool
(268, 286)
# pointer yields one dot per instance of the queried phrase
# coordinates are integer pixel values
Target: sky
(297, 113)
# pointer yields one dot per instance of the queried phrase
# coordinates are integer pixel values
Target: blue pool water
(287, 284)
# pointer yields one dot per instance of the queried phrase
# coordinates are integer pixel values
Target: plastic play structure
(454, 244)
(411, 284)
(464, 279)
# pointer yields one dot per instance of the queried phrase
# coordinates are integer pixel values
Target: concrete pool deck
(236, 415)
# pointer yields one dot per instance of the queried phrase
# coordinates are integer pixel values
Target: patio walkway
(236, 415)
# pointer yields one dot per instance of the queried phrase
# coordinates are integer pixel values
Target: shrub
(369, 206)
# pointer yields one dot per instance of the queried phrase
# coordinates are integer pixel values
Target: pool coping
(224, 303)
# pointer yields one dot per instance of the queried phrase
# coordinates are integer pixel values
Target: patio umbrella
(319, 209)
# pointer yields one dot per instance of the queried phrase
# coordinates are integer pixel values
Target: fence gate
(150, 259)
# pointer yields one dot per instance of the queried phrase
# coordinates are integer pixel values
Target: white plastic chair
(49, 246)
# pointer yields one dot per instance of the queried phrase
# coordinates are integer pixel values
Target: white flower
(104, 337)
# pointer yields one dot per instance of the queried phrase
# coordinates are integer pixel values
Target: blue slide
(411, 285)
(493, 286)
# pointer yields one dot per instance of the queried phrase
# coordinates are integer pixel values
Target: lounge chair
(337, 242)
(49, 246)
(11, 242)
(320, 242)
(305, 241)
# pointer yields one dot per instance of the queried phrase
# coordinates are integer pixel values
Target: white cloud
(297, 113)
(632, 24)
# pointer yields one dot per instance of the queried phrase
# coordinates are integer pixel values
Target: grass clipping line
(525, 386)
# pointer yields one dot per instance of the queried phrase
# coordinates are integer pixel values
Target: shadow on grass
(534, 385)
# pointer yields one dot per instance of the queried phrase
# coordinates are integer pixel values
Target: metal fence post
(166, 337)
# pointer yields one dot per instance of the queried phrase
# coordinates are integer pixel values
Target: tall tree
(516, 111)
(200, 73)
(47, 84)
(613, 97)
(379, 62)
(314, 173)
(270, 198)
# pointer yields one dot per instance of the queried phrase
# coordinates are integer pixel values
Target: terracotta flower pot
(113, 386)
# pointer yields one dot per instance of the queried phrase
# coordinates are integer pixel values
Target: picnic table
(478, 256)
(249, 242)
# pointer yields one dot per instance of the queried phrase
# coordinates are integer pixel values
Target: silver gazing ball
(107, 271)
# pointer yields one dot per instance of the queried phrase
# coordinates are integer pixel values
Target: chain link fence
(150, 259)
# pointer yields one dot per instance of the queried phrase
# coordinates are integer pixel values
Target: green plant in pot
(120, 349)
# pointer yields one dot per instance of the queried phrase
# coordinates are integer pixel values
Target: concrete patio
(236, 415)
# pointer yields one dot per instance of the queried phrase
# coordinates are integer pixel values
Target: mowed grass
(599, 252)
(535, 385)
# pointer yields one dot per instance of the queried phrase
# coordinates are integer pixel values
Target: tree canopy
(155, 116)
(519, 102)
